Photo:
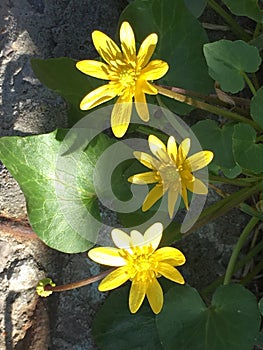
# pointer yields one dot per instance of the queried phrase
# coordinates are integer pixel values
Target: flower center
(169, 174)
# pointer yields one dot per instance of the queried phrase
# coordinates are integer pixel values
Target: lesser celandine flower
(128, 74)
(140, 261)
(171, 170)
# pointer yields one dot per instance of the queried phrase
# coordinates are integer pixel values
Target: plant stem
(205, 106)
(78, 284)
(235, 27)
(257, 30)
(235, 182)
(232, 262)
(253, 273)
(249, 83)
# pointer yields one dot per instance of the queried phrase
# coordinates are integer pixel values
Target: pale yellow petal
(96, 97)
(140, 103)
(120, 238)
(146, 50)
(128, 42)
(170, 273)
(184, 195)
(106, 47)
(144, 178)
(137, 238)
(114, 279)
(172, 199)
(154, 70)
(172, 148)
(170, 255)
(153, 235)
(148, 88)
(183, 151)
(197, 186)
(199, 160)
(152, 197)
(137, 294)
(121, 115)
(156, 145)
(95, 69)
(155, 296)
(106, 256)
(147, 160)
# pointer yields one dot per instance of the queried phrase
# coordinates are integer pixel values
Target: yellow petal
(156, 145)
(170, 273)
(172, 148)
(148, 88)
(140, 103)
(128, 42)
(183, 151)
(172, 199)
(147, 160)
(184, 195)
(169, 255)
(93, 68)
(114, 279)
(137, 294)
(144, 178)
(199, 160)
(153, 235)
(105, 46)
(137, 238)
(154, 70)
(120, 238)
(106, 256)
(146, 50)
(197, 186)
(121, 115)
(155, 296)
(152, 197)
(96, 97)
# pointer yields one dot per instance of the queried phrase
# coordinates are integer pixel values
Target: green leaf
(229, 60)
(196, 7)
(180, 44)
(114, 327)
(249, 8)
(219, 140)
(260, 305)
(62, 76)
(247, 153)
(61, 200)
(231, 322)
(256, 107)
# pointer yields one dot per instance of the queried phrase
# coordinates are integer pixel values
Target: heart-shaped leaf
(231, 322)
(114, 327)
(256, 107)
(219, 140)
(247, 153)
(229, 60)
(181, 48)
(62, 76)
(196, 7)
(249, 8)
(61, 200)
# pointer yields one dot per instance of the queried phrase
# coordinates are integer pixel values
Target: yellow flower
(127, 73)
(171, 170)
(40, 289)
(140, 262)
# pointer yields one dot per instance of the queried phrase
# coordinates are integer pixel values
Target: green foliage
(246, 151)
(231, 322)
(61, 200)
(229, 60)
(249, 8)
(196, 7)
(219, 140)
(256, 107)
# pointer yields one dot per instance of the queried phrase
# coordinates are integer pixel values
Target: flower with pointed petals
(171, 170)
(128, 76)
(140, 261)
